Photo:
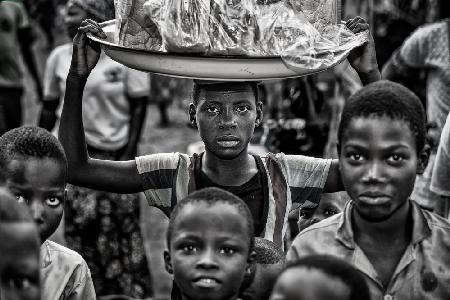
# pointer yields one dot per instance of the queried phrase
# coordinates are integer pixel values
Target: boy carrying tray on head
(225, 114)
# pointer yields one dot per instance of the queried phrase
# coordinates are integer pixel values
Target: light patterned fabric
(167, 178)
(13, 17)
(64, 274)
(440, 181)
(423, 272)
(428, 48)
(105, 96)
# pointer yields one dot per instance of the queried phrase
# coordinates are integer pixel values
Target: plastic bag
(307, 39)
(186, 26)
(134, 28)
(234, 27)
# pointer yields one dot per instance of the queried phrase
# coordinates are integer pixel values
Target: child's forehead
(360, 124)
(201, 217)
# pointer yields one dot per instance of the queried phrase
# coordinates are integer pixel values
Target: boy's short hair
(390, 99)
(29, 142)
(267, 252)
(11, 211)
(338, 268)
(212, 196)
(213, 85)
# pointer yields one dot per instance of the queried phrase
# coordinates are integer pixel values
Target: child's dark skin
(303, 283)
(379, 162)
(209, 251)
(19, 261)
(40, 183)
(225, 120)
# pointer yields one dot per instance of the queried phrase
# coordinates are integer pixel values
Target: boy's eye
(21, 199)
(227, 250)
(53, 201)
(329, 212)
(395, 158)
(242, 108)
(212, 110)
(355, 156)
(305, 214)
(189, 248)
(19, 283)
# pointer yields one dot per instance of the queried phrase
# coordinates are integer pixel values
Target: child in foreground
(320, 277)
(225, 114)
(19, 251)
(34, 166)
(210, 246)
(401, 249)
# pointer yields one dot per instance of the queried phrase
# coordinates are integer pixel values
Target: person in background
(16, 37)
(103, 227)
(427, 48)
(19, 248)
(440, 179)
(320, 277)
(269, 261)
(34, 166)
(401, 249)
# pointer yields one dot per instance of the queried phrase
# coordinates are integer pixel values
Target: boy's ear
(167, 262)
(424, 156)
(259, 113)
(193, 115)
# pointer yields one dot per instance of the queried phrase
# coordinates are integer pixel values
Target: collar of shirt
(45, 255)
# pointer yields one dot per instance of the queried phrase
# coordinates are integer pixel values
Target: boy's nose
(207, 260)
(37, 211)
(228, 120)
(374, 173)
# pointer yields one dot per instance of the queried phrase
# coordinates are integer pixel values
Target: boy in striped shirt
(225, 114)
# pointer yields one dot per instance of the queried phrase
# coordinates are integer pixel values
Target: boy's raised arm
(364, 58)
(112, 176)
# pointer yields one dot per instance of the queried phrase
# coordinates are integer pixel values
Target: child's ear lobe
(193, 115)
(423, 158)
(167, 262)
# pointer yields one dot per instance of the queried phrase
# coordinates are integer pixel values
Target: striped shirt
(169, 177)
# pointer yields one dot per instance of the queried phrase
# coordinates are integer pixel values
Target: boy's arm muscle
(112, 176)
(334, 182)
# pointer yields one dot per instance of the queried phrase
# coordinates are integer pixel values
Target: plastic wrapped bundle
(135, 29)
(185, 26)
(288, 33)
(234, 28)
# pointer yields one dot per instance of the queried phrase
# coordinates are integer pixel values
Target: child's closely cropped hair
(34, 168)
(210, 245)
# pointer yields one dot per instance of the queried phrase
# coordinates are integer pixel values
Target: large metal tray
(224, 68)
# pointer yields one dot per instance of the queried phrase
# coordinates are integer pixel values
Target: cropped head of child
(269, 262)
(210, 245)
(35, 169)
(320, 277)
(19, 248)
(381, 149)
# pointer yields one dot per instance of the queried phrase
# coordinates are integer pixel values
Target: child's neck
(396, 228)
(229, 172)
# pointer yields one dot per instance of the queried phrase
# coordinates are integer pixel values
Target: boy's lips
(206, 282)
(228, 141)
(374, 198)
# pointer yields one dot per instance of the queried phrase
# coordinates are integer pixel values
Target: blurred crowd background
(301, 114)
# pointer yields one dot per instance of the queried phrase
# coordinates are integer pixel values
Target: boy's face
(263, 282)
(378, 163)
(40, 183)
(302, 283)
(226, 119)
(329, 205)
(209, 251)
(19, 261)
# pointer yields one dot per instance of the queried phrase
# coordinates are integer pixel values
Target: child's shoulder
(56, 252)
